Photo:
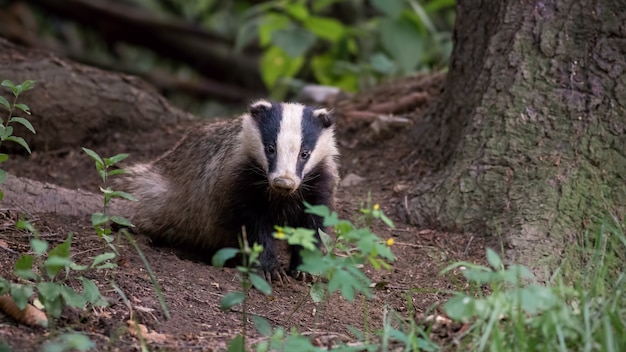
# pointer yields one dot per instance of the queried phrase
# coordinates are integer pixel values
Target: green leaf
(54, 308)
(4, 102)
(294, 41)
(319, 5)
(25, 86)
(58, 257)
(297, 11)
(120, 220)
(314, 262)
(3, 176)
(382, 64)
(271, 23)
(117, 172)
(101, 258)
(120, 194)
(537, 298)
(3, 157)
(326, 239)
(461, 307)
(275, 64)
(115, 159)
(24, 122)
(402, 40)
(494, 259)
(260, 284)
(92, 294)
(22, 224)
(223, 255)
(21, 294)
(24, 266)
(5, 132)
(391, 8)
(98, 219)
(387, 221)
(319, 210)
(317, 292)
(343, 281)
(10, 85)
(435, 6)
(23, 107)
(49, 291)
(231, 299)
(19, 140)
(237, 344)
(262, 325)
(326, 28)
(78, 267)
(246, 34)
(94, 156)
(1, 195)
(303, 237)
(69, 342)
(55, 264)
(73, 298)
(5, 286)
(38, 246)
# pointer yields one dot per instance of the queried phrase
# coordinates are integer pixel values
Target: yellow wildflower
(376, 206)
(390, 242)
(279, 233)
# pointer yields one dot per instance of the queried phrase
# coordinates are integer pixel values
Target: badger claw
(277, 274)
(303, 276)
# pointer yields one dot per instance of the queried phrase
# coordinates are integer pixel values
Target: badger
(247, 174)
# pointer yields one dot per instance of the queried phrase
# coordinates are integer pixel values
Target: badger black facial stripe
(311, 128)
(269, 127)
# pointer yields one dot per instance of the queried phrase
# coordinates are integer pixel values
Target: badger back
(289, 141)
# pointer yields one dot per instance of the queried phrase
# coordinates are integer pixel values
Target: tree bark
(530, 131)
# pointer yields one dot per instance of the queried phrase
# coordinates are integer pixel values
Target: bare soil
(388, 166)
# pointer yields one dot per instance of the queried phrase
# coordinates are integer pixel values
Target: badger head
(288, 140)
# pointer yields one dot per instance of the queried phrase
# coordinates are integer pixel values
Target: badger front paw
(273, 272)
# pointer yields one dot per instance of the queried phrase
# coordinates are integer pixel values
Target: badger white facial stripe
(288, 142)
(251, 142)
(319, 112)
(260, 103)
(325, 148)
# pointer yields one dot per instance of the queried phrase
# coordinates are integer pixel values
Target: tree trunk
(531, 133)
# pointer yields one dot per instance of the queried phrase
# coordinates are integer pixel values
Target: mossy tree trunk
(531, 128)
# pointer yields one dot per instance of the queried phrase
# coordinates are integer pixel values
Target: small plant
(6, 130)
(43, 271)
(588, 314)
(340, 266)
(101, 220)
(249, 277)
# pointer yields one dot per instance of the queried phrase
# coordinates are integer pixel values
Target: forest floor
(192, 290)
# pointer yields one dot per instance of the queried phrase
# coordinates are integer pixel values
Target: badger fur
(254, 172)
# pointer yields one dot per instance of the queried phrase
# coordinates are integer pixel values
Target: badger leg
(312, 222)
(269, 265)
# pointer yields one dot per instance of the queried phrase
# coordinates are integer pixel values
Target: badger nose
(284, 184)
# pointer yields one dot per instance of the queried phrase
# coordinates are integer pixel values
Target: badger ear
(325, 116)
(258, 109)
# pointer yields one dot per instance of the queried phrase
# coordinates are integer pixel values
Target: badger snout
(284, 184)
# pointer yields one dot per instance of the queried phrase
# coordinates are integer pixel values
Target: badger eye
(269, 149)
(305, 154)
